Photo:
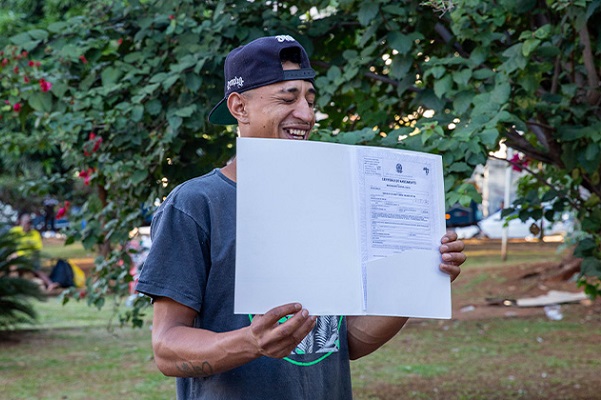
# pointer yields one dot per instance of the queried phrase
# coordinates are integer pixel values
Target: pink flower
(16, 70)
(172, 17)
(119, 41)
(83, 59)
(97, 145)
(37, 64)
(45, 85)
(86, 175)
(24, 53)
(25, 79)
(31, 63)
(4, 62)
(518, 162)
(17, 107)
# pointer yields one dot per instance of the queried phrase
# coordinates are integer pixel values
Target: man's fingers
(272, 316)
(281, 329)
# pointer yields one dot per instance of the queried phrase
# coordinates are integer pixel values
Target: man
(29, 240)
(189, 271)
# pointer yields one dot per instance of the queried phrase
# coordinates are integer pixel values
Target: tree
(122, 91)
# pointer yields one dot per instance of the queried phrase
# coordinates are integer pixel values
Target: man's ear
(236, 103)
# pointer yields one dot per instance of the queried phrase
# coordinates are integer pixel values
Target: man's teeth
(297, 132)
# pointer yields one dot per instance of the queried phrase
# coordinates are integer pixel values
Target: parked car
(492, 227)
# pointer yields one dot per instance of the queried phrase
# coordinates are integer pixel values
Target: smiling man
(285, 353)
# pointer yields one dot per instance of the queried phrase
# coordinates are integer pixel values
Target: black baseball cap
(256, 64)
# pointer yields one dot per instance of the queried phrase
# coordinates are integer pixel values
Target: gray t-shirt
(192, 261)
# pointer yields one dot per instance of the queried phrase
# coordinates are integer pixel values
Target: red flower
(119, 41)
(37, 64)
(97, 140)
(172, 17)
(25, 79)
(45, 85)
(86, 175)
(83, 59)
(16, 70)
(24, 53)
(97, 144)
(31, 63)
(518, 162)
(4, 62)
(17, 107)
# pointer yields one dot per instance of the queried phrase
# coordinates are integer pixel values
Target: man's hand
(278, 340)
(452, 254)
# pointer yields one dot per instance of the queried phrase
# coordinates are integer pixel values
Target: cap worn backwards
(259, 63)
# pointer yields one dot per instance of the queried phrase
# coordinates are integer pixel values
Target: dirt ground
(495, 293)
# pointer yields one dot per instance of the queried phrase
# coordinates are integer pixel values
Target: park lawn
(78, 352)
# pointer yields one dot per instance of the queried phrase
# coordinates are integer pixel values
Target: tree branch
(594, 92)
(537, 176)
(518, 142)
(369, 75)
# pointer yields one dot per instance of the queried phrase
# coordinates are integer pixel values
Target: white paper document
(341, 229)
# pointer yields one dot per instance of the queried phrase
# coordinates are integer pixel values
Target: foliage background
(110, 99)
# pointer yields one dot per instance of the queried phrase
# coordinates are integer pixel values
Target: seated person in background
(30, 246)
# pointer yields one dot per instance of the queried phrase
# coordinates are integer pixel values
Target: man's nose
(304, 111)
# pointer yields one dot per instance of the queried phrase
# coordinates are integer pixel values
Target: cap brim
(220, 114)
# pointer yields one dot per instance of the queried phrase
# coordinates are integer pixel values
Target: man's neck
(230, 170)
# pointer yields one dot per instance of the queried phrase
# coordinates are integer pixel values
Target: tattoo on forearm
(195, 369)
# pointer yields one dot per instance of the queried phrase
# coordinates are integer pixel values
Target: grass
(56, 249)
(72, 354)
(490, 256)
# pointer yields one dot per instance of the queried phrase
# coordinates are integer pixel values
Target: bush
(15, 291)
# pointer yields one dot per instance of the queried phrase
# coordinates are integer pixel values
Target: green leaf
(154, 107)
(167, 83)
(20, 38)
(137, 112)
(158, 78)
(41, 101)
(186, 111)
(57, 27)
(462, 78)
(529, 46)
(139, 176)
(367, 12)
(443, 86)
(400, 42)
(192, 81)
(38, 34)
(591, 267)
(489, 137)
(175, 122)
(110, 76)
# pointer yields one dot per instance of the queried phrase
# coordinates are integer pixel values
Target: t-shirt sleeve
(177, 263)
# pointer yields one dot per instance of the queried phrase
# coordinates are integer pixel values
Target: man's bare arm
(183, 351)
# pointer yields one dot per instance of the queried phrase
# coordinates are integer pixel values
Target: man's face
(281, 110)
(25, 223)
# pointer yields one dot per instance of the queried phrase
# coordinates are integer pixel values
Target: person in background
(49, 204)
(29, 244)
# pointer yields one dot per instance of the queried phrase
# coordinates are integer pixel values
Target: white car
(492, 227)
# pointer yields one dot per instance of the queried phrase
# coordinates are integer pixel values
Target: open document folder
(343, 230)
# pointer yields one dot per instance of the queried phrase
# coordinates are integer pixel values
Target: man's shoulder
(205, 184)
(197, 193)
